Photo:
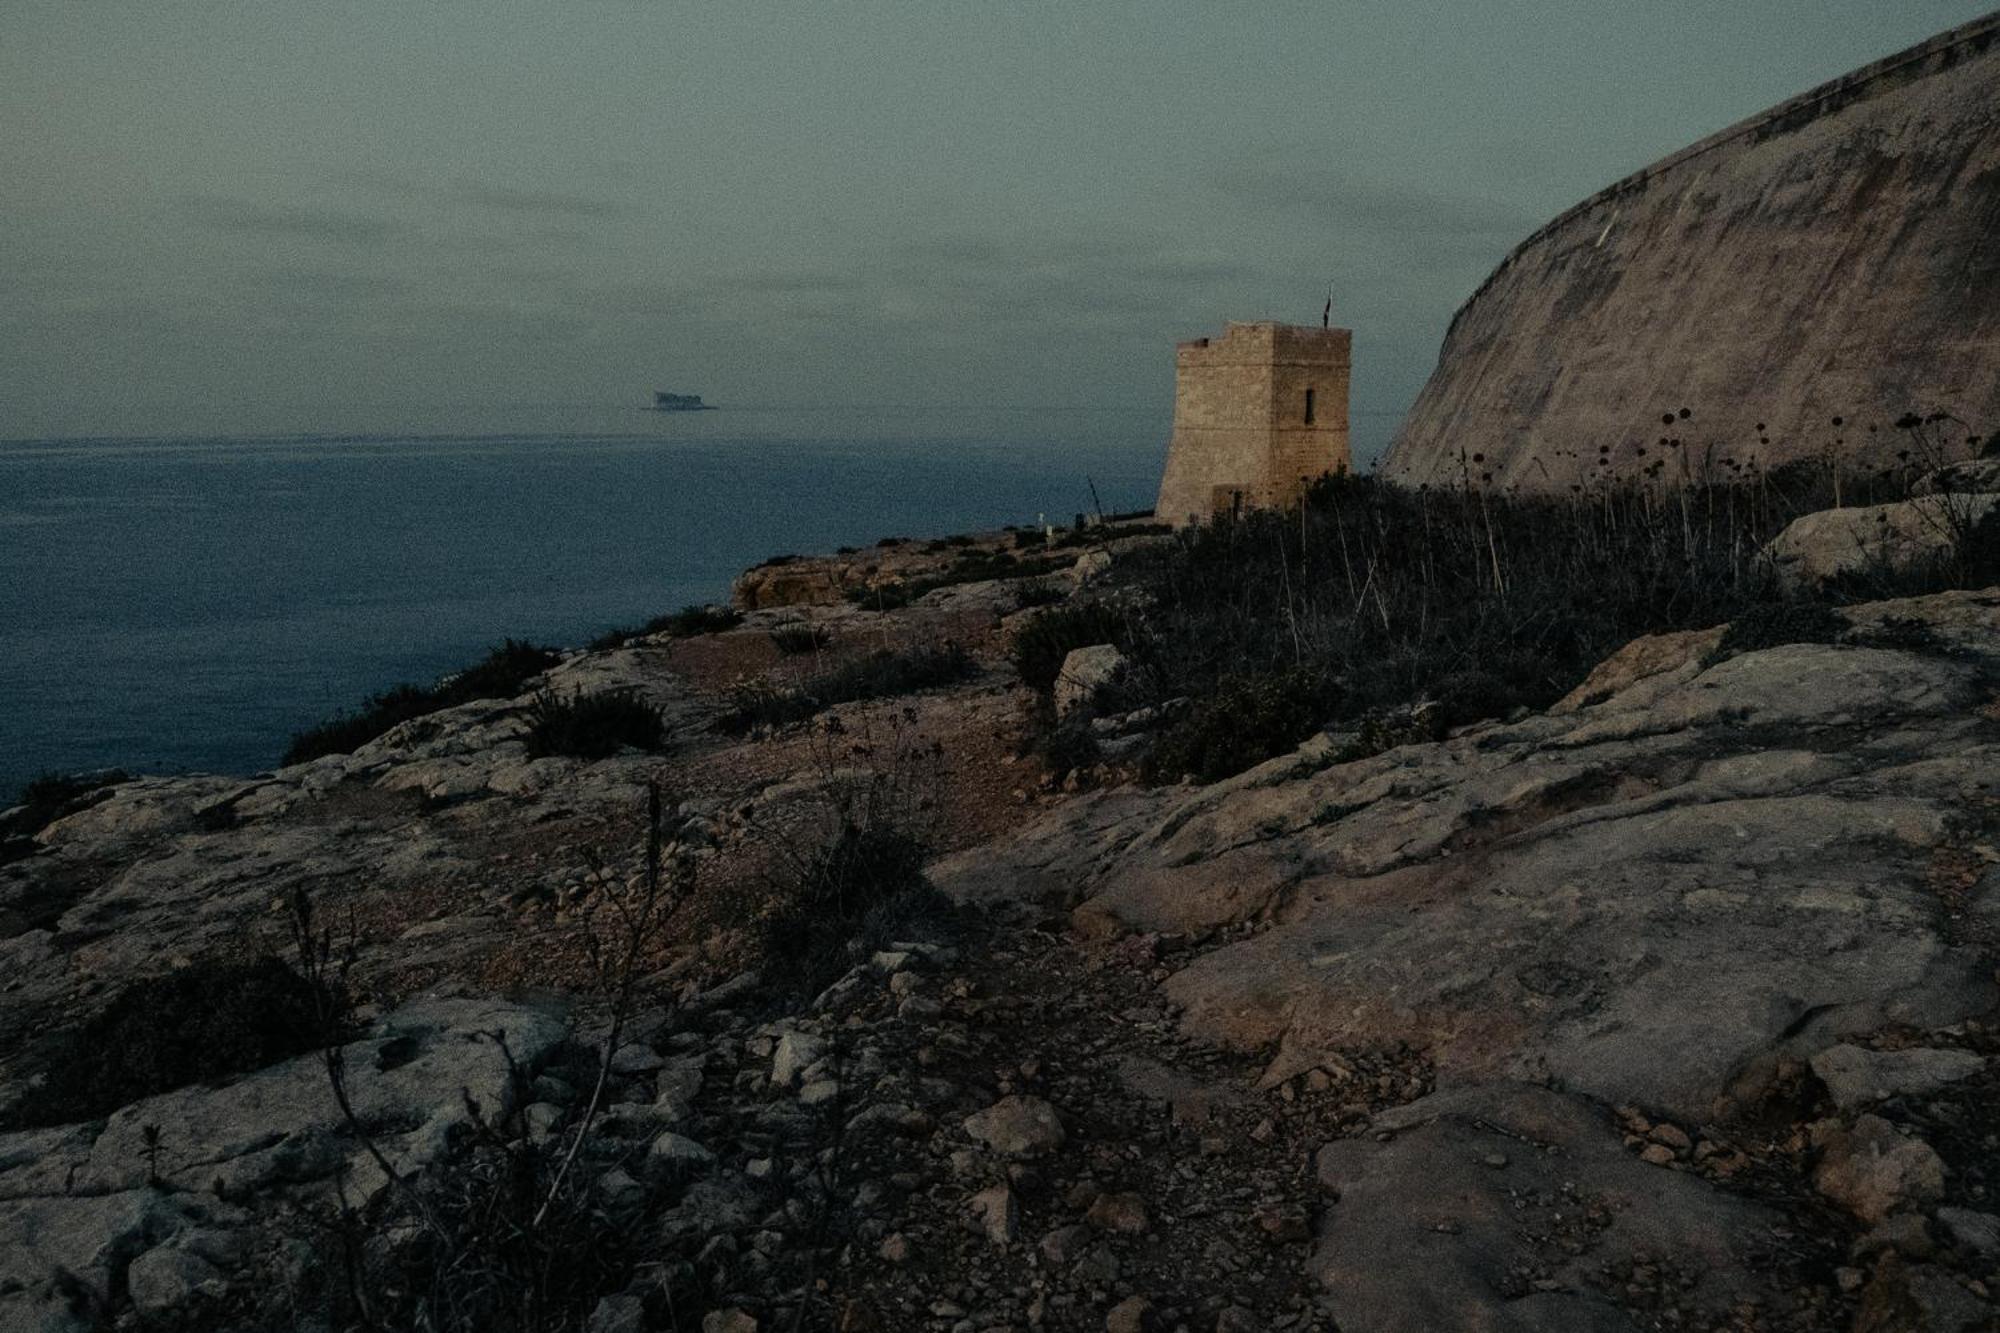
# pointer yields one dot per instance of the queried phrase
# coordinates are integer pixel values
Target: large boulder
(1891, 539)
(1083, 673)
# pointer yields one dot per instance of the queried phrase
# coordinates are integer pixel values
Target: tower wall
(1241, 438)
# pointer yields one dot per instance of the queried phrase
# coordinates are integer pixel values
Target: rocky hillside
(1797, 282)
(1669, 1006)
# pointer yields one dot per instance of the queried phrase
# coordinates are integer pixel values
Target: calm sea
(182, 604)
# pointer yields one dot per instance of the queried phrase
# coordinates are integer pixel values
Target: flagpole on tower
(1326, 313)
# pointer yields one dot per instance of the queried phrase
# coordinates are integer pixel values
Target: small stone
(1134, 1314)
(622, 1313)
(795, 1052)
(819, 1092)
(1265, 1131)
(617, 1188)
(1849, 1279)
(1671, 1136)
(996, 1213)
(1872, 1171)
(729, 1321)
(165, 1279)
(1061, 1246)
(1496, 1160)
(895, 1248)
(635, 1058)
(1018, 1126)
(1282, 1224)
(541, 1119)
(1122, 1213)
(760, 1168)
(1974, 1231)
(1659, 1154)
(1903, 1234)
(677, 1151)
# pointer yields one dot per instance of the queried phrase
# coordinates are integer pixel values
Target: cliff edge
(1791, 281)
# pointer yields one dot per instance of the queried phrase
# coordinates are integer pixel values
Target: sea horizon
(186, 602)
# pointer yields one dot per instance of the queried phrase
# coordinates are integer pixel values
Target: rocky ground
(1672, 1007)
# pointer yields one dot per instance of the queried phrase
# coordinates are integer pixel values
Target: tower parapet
(1259, 415)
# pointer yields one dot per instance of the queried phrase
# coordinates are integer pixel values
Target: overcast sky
(284, 213)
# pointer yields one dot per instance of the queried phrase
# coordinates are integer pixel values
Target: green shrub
(1247, 719)
(498, 675)
(202, 1022)
(593, 726)
(1040, 646)
(879, 675)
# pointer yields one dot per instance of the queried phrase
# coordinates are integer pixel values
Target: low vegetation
(47, 798)
(799, 640)
(878, 675)
(593, 725)
(1039, 647)
(200, 1022)
(501, 674)
(1372, 602)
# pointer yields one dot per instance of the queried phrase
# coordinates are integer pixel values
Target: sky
(292, 216)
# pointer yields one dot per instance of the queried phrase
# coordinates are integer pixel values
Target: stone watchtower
(1259, 414)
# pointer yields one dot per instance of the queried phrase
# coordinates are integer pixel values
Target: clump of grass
(798, 640)
(1035, 592)
(880, 674)
(1040, 646)
(867, 879)
(689, 622)
(206, 1021)
(498, 675)
(1769, 625)
(593, 726)
(1066, 746)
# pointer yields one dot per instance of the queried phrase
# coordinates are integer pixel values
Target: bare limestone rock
(995, 1213)
(1084, 671)
(1652, 897)
(1896, 538)
(1856, 1077)
(1692, 875)
(1017, 1126)
(165, 1278)
(1975, 475)
(1872, 1170)
(1424, 1234)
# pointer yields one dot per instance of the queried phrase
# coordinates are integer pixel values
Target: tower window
(1309, 407)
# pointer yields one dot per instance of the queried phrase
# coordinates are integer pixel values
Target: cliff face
(1836, 256)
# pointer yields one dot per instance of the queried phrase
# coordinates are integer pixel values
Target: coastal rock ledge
(1672, 1006)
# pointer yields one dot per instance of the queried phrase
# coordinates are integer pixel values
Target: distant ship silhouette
(679, 402)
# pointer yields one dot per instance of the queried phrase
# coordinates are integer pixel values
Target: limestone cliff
(1836, 256)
